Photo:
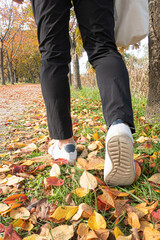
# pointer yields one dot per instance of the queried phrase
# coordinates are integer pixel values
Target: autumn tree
(12, 21)
(153, 102)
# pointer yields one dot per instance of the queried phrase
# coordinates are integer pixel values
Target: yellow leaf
(95, 136)
(25, 225)
(21, 213)
(28, 162)
(96, 221)
(64, 212)
(117, 232)
(133, 220)
(81, 192)
(87, 180)
(151, 234)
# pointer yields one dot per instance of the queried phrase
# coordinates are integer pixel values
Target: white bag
(131, 21)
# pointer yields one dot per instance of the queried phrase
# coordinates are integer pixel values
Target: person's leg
(52, 20)
(96, 23)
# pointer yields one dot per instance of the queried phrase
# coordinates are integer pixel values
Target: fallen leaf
(124, 237)
(60, 161)
(142, 139)
(24, 225)
(5, 190)
(120, 207)
(133, 220)
(16, 198)
(30, 148)
(81, 163)
(42, 208)
(13, 206)
(118, 193)
(64, 232)
(156, 215)
(83, 210)
(96, 221)
(96, 163)
(3, 207)
(151, 234)
(155, 178)
(54, 181)
(2, 228)
(82, 229)
(87, 180)
(10, 234)
(13, 180)
(117, 232)
(138, 171)
(4, 169)
(92, 146)
(64, 212)
(20, 213)
(55, 171)
(80, 192)
(145, 224)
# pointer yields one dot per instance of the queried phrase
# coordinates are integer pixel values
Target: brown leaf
(10, 234)
(82, 229)
(42, 209)
(155, 178)
(120, 207)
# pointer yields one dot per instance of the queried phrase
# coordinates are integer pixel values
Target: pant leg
(52, 20)
(96, 23)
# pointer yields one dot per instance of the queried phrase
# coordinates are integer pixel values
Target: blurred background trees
(20, 57)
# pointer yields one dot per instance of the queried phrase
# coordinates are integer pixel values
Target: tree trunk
(70, 75)
(11, 72)
(1, 65)
(153, 102)
(76, 74)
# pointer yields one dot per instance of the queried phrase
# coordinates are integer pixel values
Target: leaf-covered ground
(44, 199)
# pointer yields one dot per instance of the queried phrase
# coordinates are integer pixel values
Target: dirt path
(13, 102)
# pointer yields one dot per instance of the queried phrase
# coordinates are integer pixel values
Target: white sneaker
(68, 152)
(119, 168)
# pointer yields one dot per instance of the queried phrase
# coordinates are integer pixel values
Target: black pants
(96, 23)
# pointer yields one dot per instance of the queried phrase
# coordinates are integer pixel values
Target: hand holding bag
(131, 21)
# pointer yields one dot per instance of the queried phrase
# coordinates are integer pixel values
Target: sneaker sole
(120, 151)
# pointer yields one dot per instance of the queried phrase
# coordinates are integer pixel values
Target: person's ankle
(63, 142)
